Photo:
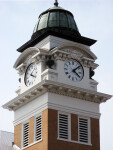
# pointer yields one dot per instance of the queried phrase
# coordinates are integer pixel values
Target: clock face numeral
(74, 70)
(31, 74)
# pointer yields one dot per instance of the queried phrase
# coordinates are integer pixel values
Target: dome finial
(56, 3)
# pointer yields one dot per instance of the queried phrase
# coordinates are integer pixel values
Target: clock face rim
(27, 72)
(80, 66)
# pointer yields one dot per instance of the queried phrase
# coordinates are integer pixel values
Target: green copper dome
(57, 22)
(56, 17)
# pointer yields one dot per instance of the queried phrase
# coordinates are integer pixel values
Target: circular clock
(74, 70)
(31, 74)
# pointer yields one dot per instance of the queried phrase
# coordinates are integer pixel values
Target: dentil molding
(58, 88)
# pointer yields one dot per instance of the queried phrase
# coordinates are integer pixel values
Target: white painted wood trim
(31, 114)
(15, 147)
(32, 144)
(74, 141)
(69, 127)
(60, 108)
(54, 87)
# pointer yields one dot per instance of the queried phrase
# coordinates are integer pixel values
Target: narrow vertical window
(38, 129)
(84, 130)
(63, 126)
(53, 19)
(43, 21)
(26, 134)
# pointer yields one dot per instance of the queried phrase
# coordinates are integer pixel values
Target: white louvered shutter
(83, 130)
(63, 126)
(38, 132)
(25, 134)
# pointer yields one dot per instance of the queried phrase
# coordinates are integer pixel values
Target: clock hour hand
(74, 71)
(33, 75)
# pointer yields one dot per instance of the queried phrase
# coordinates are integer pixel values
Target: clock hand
(33, 75)
(76, 68)
(75, 72)
(32, 71)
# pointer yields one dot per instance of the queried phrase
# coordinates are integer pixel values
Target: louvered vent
(26, 134)
(63, 126)
(38, 128)
(83, 130)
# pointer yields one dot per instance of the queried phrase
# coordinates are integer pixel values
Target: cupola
(57, 22)
(56, 17)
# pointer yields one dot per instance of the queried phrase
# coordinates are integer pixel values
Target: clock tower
(57, 103)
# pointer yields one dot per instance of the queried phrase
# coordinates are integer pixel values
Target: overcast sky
(94, 19)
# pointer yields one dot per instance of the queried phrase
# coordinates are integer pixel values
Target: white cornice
(35, 54)
(68, 53)
(58, 88)
(80, 46)
(22, 56)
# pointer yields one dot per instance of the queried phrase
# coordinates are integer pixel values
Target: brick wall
(50, 134)
(56, 144)
(42, 145)
(74, 127)
(17, 135)
(95, 130)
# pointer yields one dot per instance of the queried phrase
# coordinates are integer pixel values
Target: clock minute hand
(77, 74)
(32, 71)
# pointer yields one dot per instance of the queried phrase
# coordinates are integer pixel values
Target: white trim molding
(15, 147)
(40, 109)
(31, 144)
(78, 142)
(58, 88)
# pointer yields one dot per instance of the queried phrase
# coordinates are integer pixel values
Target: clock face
(74, 70)
(31, 74)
